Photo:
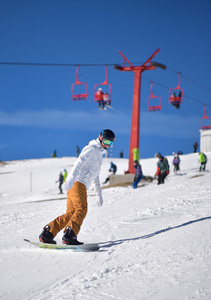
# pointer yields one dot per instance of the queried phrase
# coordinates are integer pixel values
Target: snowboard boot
(69, 238)
(46, 236)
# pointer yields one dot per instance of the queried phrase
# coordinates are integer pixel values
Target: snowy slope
(155, 240)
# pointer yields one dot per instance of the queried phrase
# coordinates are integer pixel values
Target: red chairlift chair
(205, 117)
(176, 95)
(81, 96)
(103, 95)
(154, 102)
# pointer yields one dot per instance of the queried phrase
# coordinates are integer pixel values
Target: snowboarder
(138, 174)
(85, 170)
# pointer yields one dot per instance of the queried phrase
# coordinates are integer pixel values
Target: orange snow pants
(76, 210)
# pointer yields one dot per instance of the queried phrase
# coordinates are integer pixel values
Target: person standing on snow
(176, 162)
(60, 180)
(162, 169)
(203, 161)
(195, 146)
(85, 170)
(77, 151)
(54, 154)
(65, 175)
(138, 174)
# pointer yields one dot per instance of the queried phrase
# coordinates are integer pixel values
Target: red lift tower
(135, 123)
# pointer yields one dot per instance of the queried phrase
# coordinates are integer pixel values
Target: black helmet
(107, 134)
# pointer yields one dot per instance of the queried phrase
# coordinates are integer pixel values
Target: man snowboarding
(85, 170)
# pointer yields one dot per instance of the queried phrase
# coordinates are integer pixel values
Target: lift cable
(90, 65)
(191, 98)
(196, 83)
(53, 65)
(100, 65)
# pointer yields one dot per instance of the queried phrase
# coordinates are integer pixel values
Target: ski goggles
(107, 142)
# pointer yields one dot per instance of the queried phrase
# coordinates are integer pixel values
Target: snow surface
(155, 240)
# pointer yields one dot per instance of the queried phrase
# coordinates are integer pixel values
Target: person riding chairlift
(99, 97)
(176, 104)
(106, 99)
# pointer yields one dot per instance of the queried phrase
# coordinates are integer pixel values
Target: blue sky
(37, 114)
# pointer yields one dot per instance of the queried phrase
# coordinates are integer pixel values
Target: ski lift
(154, 102)
(204, 124)
(102, 91)
(176, 95)
(77, 96)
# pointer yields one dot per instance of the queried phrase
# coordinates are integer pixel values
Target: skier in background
(195, 146)
(162, 169)
(112, 169)
(176, 162)
(203, 161)
(138, 174)
(60, 180)
(54, 154)
(89, 162)
(65, 175)
(77, 151)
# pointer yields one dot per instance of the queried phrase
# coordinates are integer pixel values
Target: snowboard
(79, 248)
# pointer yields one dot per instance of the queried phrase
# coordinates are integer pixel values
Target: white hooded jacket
(87, 167)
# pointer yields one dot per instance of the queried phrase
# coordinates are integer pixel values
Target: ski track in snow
(155, 240)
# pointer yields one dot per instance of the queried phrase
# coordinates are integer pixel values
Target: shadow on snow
(117, 242)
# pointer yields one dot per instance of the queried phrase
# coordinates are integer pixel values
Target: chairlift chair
(204, 124)
(154, 102)
(106, 96)
(176, 95)
(74, 88)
